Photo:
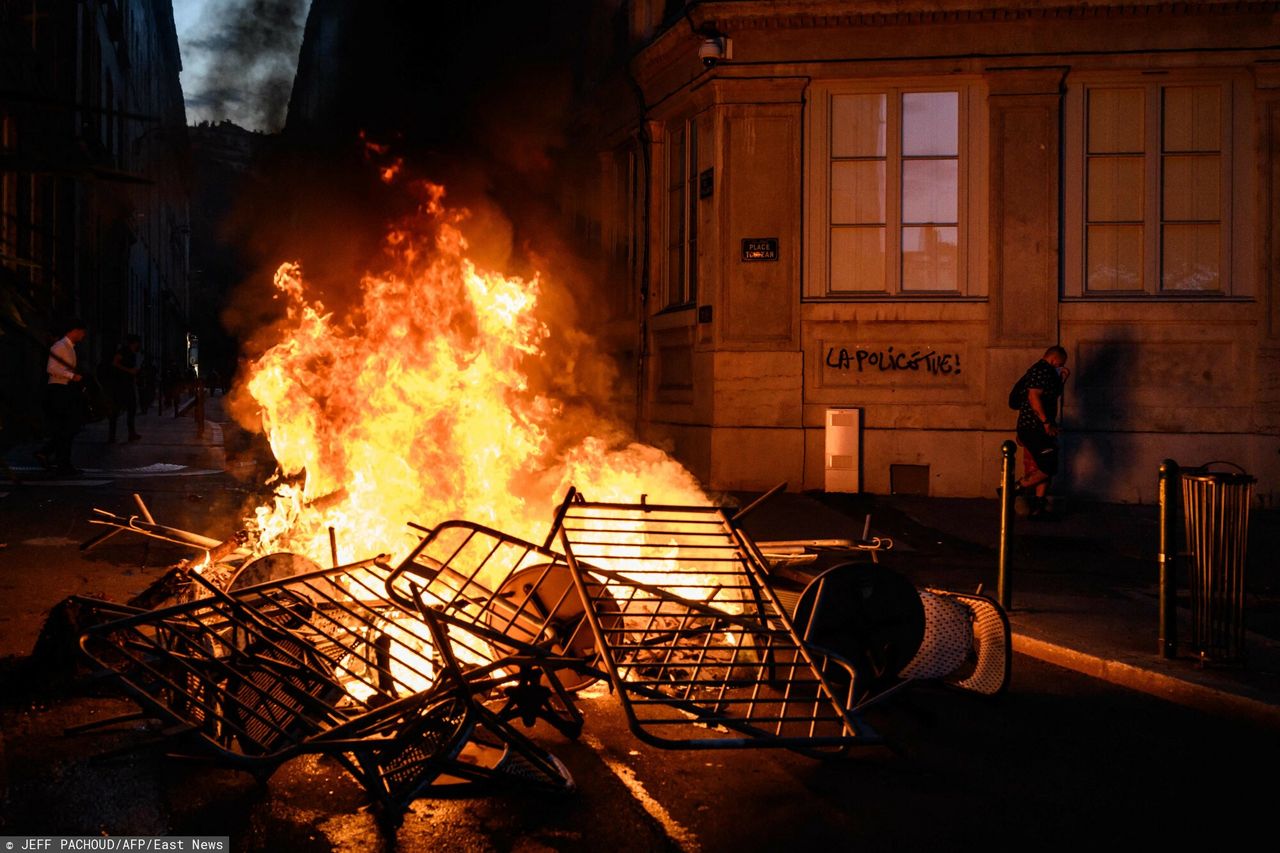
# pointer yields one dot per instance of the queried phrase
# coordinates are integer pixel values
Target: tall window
(619, 188)
(888, 192)
(1152, 171)
(8, 192)
(682, 215)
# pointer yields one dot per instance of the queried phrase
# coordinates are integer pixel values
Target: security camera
(715, 49)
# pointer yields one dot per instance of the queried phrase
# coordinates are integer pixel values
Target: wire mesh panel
(256, 673)
(502, 597)
(325, 663)
(691, 632)
(445, 744)
(443, 741)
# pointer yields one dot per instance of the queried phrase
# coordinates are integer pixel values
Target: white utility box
(843, 434)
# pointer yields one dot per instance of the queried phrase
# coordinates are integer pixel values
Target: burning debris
(412, 676)
(443, 393)
(221, 561)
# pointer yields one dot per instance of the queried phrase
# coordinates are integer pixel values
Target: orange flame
(417, 406)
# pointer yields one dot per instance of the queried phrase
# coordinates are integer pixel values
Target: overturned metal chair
(690, 631)
(895, 634)
(510, 606)
(967, 643)
(320, 663)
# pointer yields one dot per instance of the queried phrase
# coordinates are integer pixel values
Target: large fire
(417, 405)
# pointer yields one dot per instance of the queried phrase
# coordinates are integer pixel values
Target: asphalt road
(1059, 760)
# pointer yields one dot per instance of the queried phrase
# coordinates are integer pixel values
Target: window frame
(680, 230)
(620, 233)
(1234, 282)
(971, 207)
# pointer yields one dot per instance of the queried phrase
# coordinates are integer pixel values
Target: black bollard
(1167, 641)
(1004, 589)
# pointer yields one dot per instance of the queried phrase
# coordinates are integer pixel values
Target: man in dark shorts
(1037, 425)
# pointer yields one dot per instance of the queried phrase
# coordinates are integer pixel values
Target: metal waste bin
(1216, 514)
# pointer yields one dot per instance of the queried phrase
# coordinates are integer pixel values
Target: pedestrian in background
(122, 385)
(63, 403)
(1037, 428)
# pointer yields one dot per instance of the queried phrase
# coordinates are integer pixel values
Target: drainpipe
(645, 144)
(1167, 640)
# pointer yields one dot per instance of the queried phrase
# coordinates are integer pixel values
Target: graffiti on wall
(883, 360)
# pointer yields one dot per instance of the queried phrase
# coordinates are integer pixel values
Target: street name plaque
(760, 248)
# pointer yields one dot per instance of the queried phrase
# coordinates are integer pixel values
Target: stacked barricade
(412, 677)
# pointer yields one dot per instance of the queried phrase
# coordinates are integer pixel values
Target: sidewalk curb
(1198, 696)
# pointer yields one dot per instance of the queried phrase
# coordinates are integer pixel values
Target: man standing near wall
(1038, 427)
(63, 404)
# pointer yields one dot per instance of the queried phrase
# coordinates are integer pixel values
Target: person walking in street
(146, 386)
(122, 385)
(63, 404)
(1037, 427)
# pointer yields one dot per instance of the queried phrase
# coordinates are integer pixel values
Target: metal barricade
(1216, 514)
(691, 632)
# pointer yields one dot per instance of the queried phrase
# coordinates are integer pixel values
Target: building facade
(851, 226)
(94, 174)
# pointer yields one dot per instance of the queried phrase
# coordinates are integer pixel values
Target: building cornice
(669, 60)
(1267, 75)
(726, 15)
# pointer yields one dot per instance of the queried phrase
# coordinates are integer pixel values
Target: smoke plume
(242, 66)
